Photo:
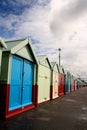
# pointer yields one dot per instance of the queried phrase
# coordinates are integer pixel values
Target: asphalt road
(68, 112)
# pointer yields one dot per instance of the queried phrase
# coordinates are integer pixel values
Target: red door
(61, 85)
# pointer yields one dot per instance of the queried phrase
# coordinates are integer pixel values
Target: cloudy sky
(51, 24)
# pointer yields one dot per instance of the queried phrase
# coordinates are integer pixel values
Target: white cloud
(68, 25)
(65, 17)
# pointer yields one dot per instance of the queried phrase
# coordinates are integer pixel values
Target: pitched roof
(2, 43)
(16, 45)
(53, 64)
(61, 70)
(41, 58)
(65, 72)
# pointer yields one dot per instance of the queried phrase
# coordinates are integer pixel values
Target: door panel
(41, 84)
(47, 72)
(41, 89)
(16, 83)
(21, 83)
(61, 86)
(44, 84)
(47, 89)
(55, 84)
(27, 83)
(68, 84)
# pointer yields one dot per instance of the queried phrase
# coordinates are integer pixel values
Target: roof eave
(3, 43)
(21, 45)
(30, 44)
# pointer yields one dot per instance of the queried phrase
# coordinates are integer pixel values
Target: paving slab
(68, 112)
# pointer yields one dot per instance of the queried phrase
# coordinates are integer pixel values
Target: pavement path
(68, 112)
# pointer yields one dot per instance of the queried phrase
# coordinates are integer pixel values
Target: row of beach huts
(27, 80)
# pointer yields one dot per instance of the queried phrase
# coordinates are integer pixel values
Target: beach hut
(76, 84)
(80, 83)
(18, 77)
(61, 81)
(69, 81)
(55, 80)
(65, 81)
(2, 45)
(44, 79)
(73, 84)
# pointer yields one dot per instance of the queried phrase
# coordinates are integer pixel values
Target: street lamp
(59, 55)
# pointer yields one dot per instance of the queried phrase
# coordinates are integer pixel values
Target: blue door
(20, 83)
(27, 83)
(66, 84)
(69, 84)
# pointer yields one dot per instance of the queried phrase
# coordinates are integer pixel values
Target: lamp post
(59, 55)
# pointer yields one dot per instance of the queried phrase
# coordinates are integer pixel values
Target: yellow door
(55, 84)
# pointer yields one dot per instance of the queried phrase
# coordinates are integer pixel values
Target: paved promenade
(68, 112)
